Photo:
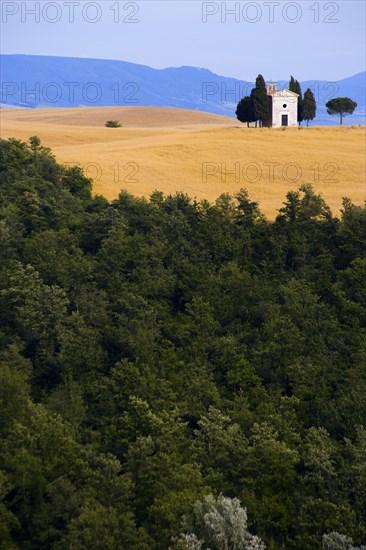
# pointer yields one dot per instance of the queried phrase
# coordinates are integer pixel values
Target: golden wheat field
(201, 154)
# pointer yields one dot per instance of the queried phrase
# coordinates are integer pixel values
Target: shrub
(113, 124)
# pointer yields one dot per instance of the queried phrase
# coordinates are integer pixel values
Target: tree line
(177, 373)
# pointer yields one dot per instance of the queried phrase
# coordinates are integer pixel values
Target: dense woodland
(156, 354)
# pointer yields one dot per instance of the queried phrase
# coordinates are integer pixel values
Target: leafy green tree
(318, 516)
(341, 106)
(269, 498)
(15, 374)
(309, 106)
(62, 262)
(219, 446)
(35, 309)
(319, 460)
(9, 522)
(68, 401)
(352, 234)
(245, 110)
(75, 181)
(101, 527)
(35, 143)
(353, 474)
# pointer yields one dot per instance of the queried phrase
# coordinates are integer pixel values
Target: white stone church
(282, 107)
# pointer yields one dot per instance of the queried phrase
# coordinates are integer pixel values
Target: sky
(309, 39)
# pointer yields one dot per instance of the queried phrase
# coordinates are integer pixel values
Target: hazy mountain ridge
(43, 81)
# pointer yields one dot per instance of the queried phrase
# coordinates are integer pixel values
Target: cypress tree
(260, 100)
(291, 85)
(294, 86)
(308, 106)
(300, 116)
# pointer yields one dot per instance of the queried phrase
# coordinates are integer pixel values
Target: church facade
(282, 107)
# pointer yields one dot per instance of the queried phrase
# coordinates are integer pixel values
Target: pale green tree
(219, 524)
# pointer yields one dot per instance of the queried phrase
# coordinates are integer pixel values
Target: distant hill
(41, 81)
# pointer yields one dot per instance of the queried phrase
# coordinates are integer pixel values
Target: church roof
(284, 92)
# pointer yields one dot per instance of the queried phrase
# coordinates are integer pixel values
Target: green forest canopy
(155, 352)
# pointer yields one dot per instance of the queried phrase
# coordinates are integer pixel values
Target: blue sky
(312, 40)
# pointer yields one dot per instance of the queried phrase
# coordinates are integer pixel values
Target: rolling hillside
(201, 154)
